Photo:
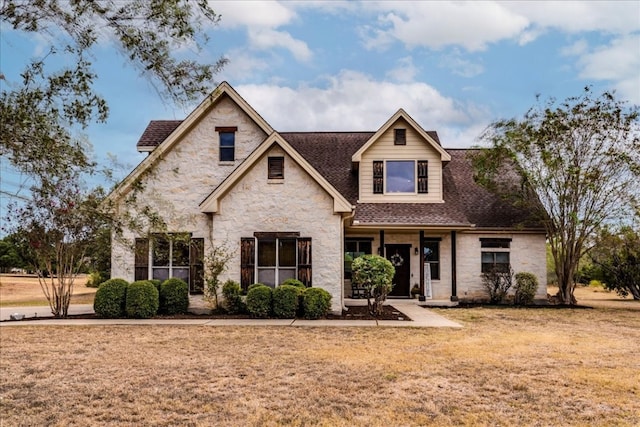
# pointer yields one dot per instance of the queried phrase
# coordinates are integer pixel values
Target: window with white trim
(400, 177)
(498, 259)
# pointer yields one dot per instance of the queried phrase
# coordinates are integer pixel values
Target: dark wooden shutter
(304, 260)
(423, 173)
(378, 177)
(247, 261)
(141, 259)
(196, 266)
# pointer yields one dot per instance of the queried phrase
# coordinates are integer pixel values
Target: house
(305, 204)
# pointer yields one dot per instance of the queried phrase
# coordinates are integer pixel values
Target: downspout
(344, 219)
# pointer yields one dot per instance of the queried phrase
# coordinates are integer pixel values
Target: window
(400, 137)
(174, 255)
(276, 168)
(431, 257)
(354, 248)
(495, 260)
(400, 176)
(227, 137)
(274, 258)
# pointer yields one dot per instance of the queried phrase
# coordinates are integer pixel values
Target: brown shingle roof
(330, 153)
(156, 132)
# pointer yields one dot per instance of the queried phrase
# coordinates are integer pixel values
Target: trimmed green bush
(294, 282)
(232, 293)
(259, 301)
(316, 303)
(253, 285)
(156, 283)
(110, 298)
(526, 287)
(174, 296)
(143, 299)
(285, 301)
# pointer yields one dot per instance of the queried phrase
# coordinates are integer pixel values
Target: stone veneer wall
(295, 204)
(185, 176)
(527, 253)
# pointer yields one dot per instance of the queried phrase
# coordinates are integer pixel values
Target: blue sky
(453, 66)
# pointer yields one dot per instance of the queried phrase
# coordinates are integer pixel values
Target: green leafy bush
(259, 300)
(285, 301)
(253, 285)
(497, 284)
(156, 283)
(110, 298)
(316, 303)
(294, 282)
(143, 299)
(375, 274)
(526, 287)
(174, 296)
(232, 293)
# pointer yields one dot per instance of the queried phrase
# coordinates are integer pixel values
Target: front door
(400, 257)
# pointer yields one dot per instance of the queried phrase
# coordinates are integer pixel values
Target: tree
(56, 228)
(617, 257)
(39, 113)
(375, 274)
(580, 160)
(9, 257)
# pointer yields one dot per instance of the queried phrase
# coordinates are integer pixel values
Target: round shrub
(232, 293)
(174, 296)
(285, 301)
(110, 298)
(316, 303)
(294, 282)
(253, 285)
(526, 287)
(142, 299)
(156, 283)
(259, 301)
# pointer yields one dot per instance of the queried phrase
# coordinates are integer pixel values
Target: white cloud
(261, 19)
(471, 25)
(353, 101)
(618, 62)
(405, 71)
(474, 25)
(250, 14)
(265, 39)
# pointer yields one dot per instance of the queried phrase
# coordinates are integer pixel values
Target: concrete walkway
(421, 318)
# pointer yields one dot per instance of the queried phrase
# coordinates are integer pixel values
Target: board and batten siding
(416, 148)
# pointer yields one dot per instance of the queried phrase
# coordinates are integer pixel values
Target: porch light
(416, 252)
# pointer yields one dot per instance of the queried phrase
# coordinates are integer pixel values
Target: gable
(224, 107)
(211, 204)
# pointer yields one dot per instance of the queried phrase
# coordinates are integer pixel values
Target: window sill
(226, 163)
(275, 181)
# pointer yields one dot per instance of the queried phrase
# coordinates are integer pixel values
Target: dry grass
(25, 290)
(507, 366)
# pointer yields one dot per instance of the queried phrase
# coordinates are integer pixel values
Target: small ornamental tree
(375, 274)
(215, 263)
(616, 256)
(497, 283)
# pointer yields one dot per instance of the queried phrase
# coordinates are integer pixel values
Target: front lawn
(507, 366)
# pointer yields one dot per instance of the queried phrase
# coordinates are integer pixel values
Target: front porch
(397, 302)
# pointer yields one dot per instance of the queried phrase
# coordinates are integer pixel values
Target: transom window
(227, 136)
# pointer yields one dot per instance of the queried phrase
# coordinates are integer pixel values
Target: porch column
(421, 261)
(381, 248)
(454, 284)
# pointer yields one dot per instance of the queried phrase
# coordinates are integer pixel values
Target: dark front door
(399, 255)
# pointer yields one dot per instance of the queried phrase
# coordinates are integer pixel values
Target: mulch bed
(353, 313)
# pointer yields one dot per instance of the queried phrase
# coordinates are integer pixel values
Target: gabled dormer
(401, 163)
